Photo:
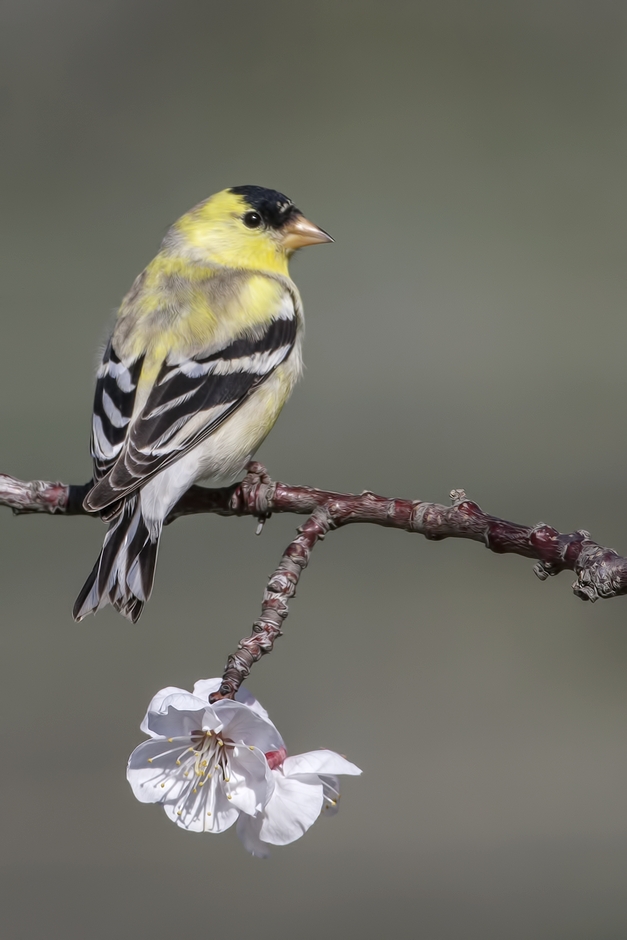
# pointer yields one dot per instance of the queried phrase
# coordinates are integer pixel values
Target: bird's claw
(257, 489)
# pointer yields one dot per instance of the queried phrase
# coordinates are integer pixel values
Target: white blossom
(205, 763)
(213, 765)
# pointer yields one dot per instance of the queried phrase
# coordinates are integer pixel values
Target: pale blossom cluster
(211, 766)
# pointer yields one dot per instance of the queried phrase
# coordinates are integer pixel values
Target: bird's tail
(125, 571)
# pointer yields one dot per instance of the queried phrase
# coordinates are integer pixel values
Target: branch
(40, 496)
(600, 572)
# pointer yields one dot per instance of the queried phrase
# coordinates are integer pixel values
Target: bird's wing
(114, 400)
(191, 397)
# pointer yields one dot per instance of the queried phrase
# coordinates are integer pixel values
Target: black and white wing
(114, 400)
(190, 399)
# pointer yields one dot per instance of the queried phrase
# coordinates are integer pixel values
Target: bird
(205, 351)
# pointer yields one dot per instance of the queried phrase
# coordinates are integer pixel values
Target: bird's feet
(257, 490)
(257, 473)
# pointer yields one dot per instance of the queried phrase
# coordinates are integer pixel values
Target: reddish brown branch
(40, 496)
(600, 572)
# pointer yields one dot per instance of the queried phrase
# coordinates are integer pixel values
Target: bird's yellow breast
(175, 306)
(192, 307)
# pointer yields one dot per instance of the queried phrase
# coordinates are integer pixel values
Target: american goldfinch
(205, 351)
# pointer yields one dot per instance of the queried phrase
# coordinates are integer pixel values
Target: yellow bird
(205, 351)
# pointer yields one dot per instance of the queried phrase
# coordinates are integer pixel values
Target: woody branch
(600, 572)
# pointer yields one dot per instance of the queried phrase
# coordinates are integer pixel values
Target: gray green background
(467, 329)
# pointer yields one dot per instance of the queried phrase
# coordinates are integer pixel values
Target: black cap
(274, 208)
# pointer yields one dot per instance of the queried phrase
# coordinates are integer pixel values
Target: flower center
(210, 756)
(206, 761)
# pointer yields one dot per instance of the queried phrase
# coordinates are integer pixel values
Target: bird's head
(244, 227)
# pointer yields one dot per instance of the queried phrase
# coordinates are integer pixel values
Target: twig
(259, 492)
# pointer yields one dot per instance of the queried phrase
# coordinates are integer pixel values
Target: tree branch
(600, 572)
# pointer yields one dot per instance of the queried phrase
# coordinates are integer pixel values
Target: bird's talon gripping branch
(257, 491)
(257, 472)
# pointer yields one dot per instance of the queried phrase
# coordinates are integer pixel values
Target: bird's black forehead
(274, 208)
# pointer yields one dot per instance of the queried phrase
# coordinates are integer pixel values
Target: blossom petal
(153, 773)
(248, 828)
(293, 808)
(318, 762)
(251, 783)
(247, 698)
(224, 813)
(244, 726)
(176, 723)
(205, 687)
(155, 706)
(182, 713)
(203, 810)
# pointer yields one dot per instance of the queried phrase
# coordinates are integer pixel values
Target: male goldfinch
(204, 354)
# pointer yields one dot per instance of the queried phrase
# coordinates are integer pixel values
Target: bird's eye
(252, 220)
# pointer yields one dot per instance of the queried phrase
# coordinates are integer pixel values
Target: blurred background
(467, 330)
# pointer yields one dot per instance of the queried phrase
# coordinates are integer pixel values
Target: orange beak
(299, 232)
